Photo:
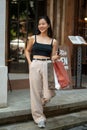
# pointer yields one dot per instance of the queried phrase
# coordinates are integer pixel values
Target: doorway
(81, 29)
(23, 16)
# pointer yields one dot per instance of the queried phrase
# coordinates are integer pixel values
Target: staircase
(66, 109)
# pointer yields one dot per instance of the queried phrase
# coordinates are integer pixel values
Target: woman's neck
(43, 35)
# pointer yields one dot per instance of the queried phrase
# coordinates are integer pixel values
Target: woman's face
(43, 25)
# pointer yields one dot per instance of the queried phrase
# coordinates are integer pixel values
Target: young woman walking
(43, 47)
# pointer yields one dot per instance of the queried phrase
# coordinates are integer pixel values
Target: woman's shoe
(41, 124)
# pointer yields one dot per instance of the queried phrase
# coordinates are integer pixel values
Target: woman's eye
(42, 24)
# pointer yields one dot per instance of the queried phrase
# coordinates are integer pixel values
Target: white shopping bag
(57, 85)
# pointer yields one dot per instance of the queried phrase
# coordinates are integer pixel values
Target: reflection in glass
(17, 46)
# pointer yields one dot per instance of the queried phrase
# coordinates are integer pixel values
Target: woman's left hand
(55, 57)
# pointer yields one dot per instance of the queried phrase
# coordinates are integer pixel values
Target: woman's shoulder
(31, 37)
(54, 41)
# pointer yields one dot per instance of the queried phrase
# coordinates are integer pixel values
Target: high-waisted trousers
(39, 88)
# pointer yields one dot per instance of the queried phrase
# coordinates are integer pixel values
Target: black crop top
(42, 49)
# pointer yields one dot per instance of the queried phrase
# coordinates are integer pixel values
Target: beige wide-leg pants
(39, 88)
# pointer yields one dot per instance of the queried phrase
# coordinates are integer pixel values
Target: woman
(44, 49)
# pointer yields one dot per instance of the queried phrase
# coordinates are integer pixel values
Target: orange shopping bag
(61, 73)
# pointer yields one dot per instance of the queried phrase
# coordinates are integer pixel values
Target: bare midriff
(40, 57)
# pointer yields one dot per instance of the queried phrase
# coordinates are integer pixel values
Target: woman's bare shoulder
(54, 41)
(31, 40)
(31, 37)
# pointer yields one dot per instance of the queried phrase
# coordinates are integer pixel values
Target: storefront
(68, 18)
(19, 18)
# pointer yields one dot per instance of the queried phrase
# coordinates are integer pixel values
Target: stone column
(3, 68)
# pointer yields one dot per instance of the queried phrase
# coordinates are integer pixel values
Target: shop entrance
(23, 16)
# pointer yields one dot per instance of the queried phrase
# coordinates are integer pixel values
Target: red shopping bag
(61, 73)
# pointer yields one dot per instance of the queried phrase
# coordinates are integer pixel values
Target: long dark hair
(49, 32)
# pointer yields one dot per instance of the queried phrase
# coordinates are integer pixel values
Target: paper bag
(61, 73)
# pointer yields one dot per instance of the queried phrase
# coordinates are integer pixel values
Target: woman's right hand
(29, 62)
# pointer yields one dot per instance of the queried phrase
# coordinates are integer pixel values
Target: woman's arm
(55, 55)
(29, 48)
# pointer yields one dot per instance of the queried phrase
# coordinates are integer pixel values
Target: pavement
(66, 110)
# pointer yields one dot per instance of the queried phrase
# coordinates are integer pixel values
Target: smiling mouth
(42, 29)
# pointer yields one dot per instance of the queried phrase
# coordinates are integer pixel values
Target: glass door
(22, 20)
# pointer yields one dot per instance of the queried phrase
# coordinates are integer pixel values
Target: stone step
(62, 122)
(50, 111)
(18, 109)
